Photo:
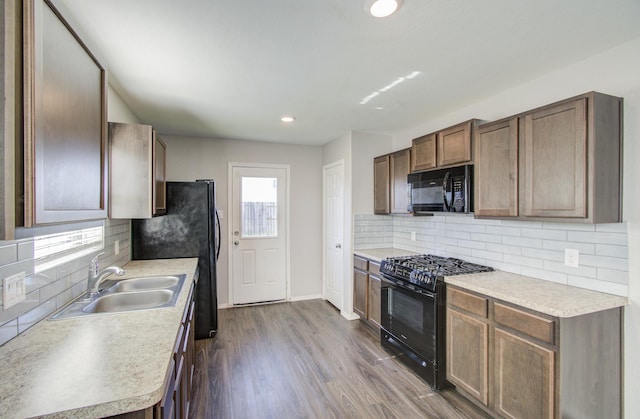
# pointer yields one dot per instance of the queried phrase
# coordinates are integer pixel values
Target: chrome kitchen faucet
(95, 276)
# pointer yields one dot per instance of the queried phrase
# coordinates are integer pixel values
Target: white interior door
(333, 233)
(259, 234)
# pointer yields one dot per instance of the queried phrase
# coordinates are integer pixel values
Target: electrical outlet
(413, 236)
(116, 247)
(572, 257)
(13, 290)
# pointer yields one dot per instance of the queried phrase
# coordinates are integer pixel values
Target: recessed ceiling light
(287, 118)
(382, 8)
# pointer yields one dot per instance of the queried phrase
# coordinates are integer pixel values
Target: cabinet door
(467, 354)
(554, 165)
(131, 158)
(454, 145)
(360, 286)
(381, 185)
(160, 176)
(374, 305)
(65, 125)
(496, 169)
(524, 378)
(399, 169)
(423, 153)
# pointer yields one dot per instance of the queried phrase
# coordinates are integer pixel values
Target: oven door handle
(399, 284)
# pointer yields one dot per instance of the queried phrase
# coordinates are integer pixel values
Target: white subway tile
(583, 248)
(507, 267)
(601, 286)
(472, 228)
(569, 226)
(522, 242)
(612, 250)
(8, 254)
(524, 261)
(34, 316)
(611, 275)
(8, 331)
(473, 244)
(487, 221)
(597, 237)
(585, 271)
(545, 275)
(483, 254)
(612, 227)
(522, 224)
(505, 231)
(621, 264)
(512, 250)
(460, 252)
(460, 235)
(544, 234)
(542, 254)
(489, 238)
(25, 250)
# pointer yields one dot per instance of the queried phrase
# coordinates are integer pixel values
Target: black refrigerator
(190, 228)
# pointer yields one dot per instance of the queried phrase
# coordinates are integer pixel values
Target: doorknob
(338, 246)
(236, 242)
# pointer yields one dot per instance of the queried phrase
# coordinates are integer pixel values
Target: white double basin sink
(140, 293)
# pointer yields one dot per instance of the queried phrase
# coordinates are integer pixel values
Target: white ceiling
(231, 68)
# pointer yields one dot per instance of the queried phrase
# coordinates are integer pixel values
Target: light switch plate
(116, 247)
(13, 290)
(413, 236)
(572, 257)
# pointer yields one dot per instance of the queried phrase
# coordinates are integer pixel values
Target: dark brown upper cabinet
(137, 159)
(381, 185)
(448, 147)
(496, 169)
(568, 157)
(390, 182)
(65, 127)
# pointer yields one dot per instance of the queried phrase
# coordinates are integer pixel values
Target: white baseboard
(306, 297)
(349, 316)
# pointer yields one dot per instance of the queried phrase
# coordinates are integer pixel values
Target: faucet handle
(94, 266)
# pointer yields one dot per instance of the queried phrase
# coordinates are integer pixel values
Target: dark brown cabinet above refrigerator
(137, 176)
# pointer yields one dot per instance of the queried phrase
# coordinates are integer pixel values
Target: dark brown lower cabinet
(519, 363)
(366, 290)
(175, 403)
(467, 354)
(524, 377)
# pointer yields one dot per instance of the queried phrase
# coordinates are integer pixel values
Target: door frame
(338, 163)
(287, 229)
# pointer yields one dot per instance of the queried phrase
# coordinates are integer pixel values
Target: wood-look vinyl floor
(303, 360)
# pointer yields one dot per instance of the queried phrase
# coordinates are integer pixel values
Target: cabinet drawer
(374, 268)
(360, 263)
(468, 302)
(529, 324)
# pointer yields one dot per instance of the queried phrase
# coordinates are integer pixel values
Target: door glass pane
(259, 207)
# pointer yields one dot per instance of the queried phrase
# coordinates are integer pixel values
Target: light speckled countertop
(94, 366)
(543, 296)
(536, 294)
(381, 253)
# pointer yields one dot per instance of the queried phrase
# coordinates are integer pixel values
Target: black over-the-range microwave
(441, 190)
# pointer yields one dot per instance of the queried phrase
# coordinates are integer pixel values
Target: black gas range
(413, 310)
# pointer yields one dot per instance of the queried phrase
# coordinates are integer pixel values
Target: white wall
(615, 72)
(366, 146)
(118, 110)
(191, 158)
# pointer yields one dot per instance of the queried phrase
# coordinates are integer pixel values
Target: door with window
(259, 234)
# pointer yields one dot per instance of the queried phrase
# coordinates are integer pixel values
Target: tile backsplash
(529, 248)
(50, 290)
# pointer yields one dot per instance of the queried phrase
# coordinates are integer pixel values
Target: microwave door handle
(445, 183)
